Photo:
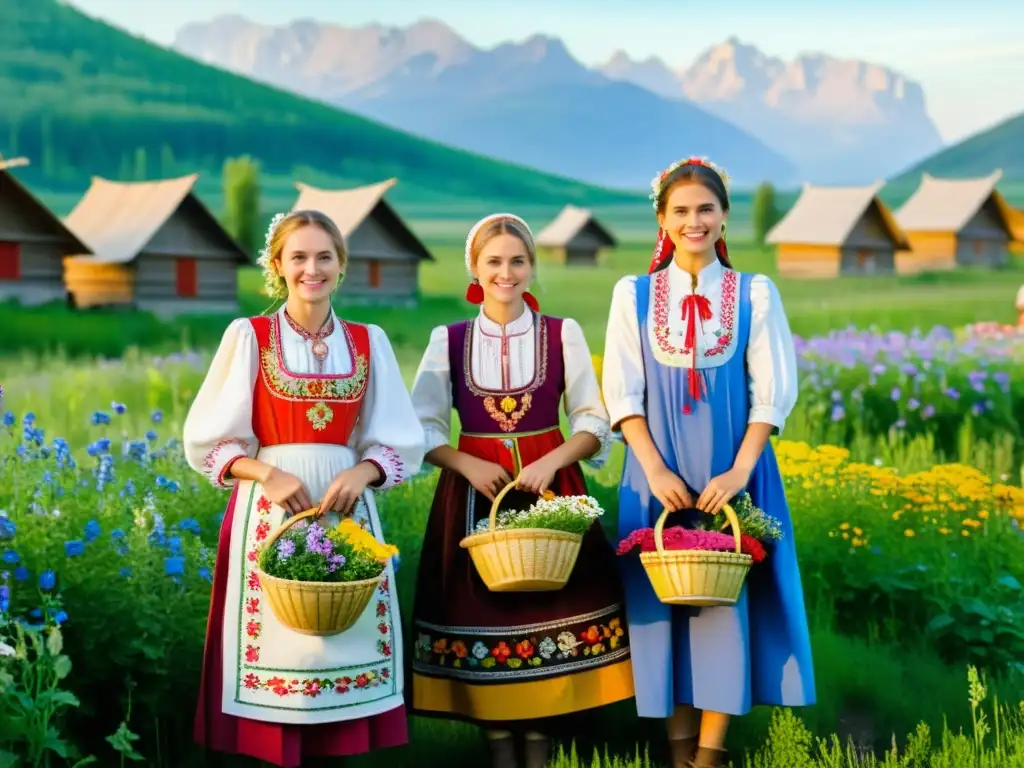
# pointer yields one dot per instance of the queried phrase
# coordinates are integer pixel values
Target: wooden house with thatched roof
(33, 243)
(956, 222)
(155, 247)
(1017, 228)
(832, 231)
(575, 237)
(384, 255)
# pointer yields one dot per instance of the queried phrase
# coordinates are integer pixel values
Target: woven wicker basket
(522, 559)
(320, 608)
(693, 576)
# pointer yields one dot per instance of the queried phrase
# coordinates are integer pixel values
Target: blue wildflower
(151, 435)
(92, 531)
(118, 408)
(174, 565)
(11, 557)
(125, 572)
(190, 524)
(204, 573)
(157, 416)
(7, 527)
(74, 548)
(99, 417)
(9, 419)
(21, 573)
(47, 580)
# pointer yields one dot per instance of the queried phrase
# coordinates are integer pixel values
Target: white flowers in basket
(572, 514)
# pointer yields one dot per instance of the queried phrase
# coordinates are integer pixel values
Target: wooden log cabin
(33, 244)
(155, 247)
(955, 222)
(384, 254)
(832, 231)
(575, 237)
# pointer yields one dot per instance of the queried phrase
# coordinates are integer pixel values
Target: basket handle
(497, 500)
(288, 524)
(730, 513)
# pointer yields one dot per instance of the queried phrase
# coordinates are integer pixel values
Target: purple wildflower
(285, 548)
(334, 562)
(316, 541)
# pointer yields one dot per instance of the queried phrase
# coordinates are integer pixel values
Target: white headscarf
(487, 220)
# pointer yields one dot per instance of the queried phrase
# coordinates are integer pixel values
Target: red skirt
(281, 744)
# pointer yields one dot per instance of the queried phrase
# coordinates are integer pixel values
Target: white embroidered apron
(274, 674)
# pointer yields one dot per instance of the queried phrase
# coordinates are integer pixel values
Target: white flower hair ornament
(273, 283)
(474, 293)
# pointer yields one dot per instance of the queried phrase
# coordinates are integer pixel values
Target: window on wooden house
(10, 261)
(374, 273)
(186, 278)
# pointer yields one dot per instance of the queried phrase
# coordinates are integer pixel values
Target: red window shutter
(10, 261)
(185, 276)
(375, 274)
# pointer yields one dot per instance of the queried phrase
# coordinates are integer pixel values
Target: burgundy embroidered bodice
(533, 408)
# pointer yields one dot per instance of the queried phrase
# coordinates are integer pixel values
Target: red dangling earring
(475, 293)
(531, 301)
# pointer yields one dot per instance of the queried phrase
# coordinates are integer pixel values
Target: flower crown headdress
(658, 182)
(273, 283)
(663, 247)
(474, 293)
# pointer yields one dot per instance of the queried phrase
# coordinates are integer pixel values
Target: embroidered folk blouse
(219, 427)
(770, 353)
(503, 358)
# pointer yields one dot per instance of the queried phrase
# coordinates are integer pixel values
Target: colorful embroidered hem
(505, 654)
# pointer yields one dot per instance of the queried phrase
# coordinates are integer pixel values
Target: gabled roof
(118, 219)
(9, 182)
(348, 208)
(946, 205)
(827, 216)
(569, 223)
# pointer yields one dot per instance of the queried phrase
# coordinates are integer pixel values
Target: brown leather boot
(503, 751)
(707, 757)
(536, 751)
(683, 751)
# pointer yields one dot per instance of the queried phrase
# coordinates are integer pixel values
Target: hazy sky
(969, 57)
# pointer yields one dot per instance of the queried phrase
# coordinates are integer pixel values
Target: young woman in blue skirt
(699, 372)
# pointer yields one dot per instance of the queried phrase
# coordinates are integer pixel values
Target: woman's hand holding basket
(722, 489)
(286, 490)
(486, 476)
(668, 488)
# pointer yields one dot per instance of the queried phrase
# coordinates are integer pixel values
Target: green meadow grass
(814, 306)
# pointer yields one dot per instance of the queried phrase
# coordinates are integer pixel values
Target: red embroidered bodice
(306, 408)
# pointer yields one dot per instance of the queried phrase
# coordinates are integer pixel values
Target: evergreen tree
(764, 214)
(241, 216)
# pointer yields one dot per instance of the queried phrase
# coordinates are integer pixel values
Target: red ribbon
(694, 307)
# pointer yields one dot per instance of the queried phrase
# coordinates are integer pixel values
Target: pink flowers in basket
(677, 537)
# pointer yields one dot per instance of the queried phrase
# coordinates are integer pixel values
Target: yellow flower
(909, 533)
(363, 540)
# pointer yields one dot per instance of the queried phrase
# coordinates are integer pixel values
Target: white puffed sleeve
(387, 433)
(624, 382)
(432, 391)
(771, 356)
(218, 428)
(582, 401)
